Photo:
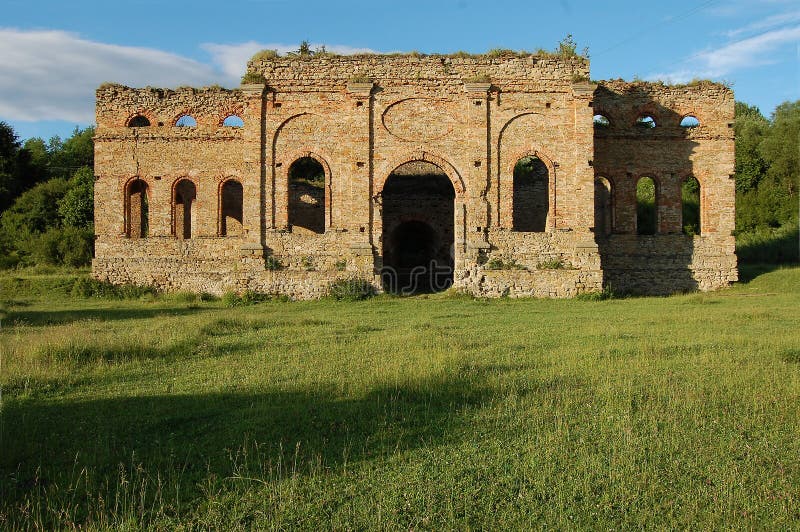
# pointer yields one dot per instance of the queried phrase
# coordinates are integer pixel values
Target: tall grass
(427, 412)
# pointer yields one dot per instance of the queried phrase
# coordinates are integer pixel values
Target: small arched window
(139, 121)
(646, 207)
(690, 206)
(231, 198)
(137, 210)
(601, 121)
(531, 195)
(233, 121)
(646, 122)
(690, 122)
(183, 199)
(186, 121)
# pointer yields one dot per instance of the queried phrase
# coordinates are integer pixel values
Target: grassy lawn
(425, 413)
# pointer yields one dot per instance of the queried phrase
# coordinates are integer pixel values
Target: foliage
(307, 171)
(360, 78)
(70, 246)
(767, 182)
(478, 78)
(76, 208)
(597, 295)
(646, 207)
(690, 206)
(87, 287)
(769, 245)
(351, 289)
(272, 263)
(265, 55)
(551, 264)
(497, 263)
(248, 297)
(255, 78)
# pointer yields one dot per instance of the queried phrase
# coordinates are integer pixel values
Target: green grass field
(415, 413)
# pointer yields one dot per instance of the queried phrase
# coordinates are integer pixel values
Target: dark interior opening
(418, 229)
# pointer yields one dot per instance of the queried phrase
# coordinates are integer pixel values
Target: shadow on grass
(61, 317)
(182, 439)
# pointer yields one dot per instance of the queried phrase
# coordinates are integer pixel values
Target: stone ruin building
(505, 175)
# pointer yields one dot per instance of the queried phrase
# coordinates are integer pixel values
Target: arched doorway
(418, 202)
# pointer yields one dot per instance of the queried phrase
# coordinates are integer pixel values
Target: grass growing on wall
(426, 412)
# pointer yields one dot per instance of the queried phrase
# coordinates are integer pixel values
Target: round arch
(149, 115)
(281, 184)
(386, 169)
(135, 206)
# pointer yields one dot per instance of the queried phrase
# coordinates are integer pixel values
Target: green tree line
(46, 199)
(47, 192)
(767, 183)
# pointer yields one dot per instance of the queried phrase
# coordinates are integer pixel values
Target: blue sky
(54, 53)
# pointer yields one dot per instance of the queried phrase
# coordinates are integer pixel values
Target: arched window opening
(601, 121)
(690, 206)
(531, 196)
(139, 121)
(183, 199)
(307, 195)
(690, 122)
(603, 207)
(646, 122)
(231, 218)
(186, 121)
(646, 207)
(233, 121)
(138, 210)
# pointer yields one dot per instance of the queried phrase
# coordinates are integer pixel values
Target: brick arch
(184, 112)
(703, 207)
(658, 197)
(221, 181)
(126, 201)
(231, 110)
(503, 180)
(461, 195)
(450, 171)
(149, 115)
(282, 179)
(648, 109)
(172, 206)
(613, 118)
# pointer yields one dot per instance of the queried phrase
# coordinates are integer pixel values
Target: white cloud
(52, 75)
(737, 55)
(768, 23)
(232, 58)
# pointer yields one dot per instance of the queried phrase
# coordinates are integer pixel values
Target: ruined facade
(501, 176)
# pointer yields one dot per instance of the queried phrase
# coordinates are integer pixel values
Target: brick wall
(415, 109)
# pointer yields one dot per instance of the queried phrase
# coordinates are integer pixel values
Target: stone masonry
(419, 165)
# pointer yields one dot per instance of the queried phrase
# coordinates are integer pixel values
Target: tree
(76, 208)
(750, 127)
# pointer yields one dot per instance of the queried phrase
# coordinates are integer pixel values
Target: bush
(253, 77)
(769, 245)
(70, 246)
(351, 289)
(601, 295)
(88, 287)
(496, 263)
(249, 297)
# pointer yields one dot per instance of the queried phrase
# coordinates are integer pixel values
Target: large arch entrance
(418, 229)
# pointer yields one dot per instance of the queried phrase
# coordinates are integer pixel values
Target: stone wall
(428, 109)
